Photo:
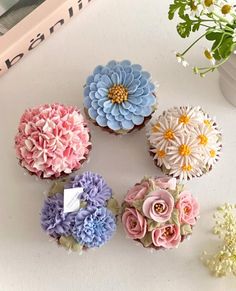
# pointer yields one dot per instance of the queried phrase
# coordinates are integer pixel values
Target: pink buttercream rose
(134, 223)
(188, 208)
(166, 183)
(167, 236)
(159, 205)
(137, 192)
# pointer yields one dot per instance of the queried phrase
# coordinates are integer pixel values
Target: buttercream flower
(119, 96)
(94, 226)
(166, 183)
(134, 223)
(53, 219)
(185, 142)
(167, 236)
(96, 192)
(139, 191)
(52, 140)
(188, 208)
(158, 205)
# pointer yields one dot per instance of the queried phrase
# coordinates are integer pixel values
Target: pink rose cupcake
(159, 213)
(52, 140)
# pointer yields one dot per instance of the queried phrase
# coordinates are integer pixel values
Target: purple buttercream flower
(94, 226)
(95, 190)
(53, 220)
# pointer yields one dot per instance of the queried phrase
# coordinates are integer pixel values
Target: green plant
(218, 20)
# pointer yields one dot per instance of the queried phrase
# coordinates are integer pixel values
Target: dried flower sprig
(223, 262)
(217, 18)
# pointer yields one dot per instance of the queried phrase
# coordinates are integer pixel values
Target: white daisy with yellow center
(213, 154)
(188, 117)
(162, 131)
(226, 9)
(185, 172)
(185, 151)
(207, 137)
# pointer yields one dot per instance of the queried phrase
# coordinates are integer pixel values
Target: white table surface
(56, 72)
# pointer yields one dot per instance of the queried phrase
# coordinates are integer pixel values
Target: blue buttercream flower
(53, 219)
(94, 226)
(95, 190)
(119, 95)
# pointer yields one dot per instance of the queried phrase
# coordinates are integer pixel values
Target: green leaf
(138, 204)
(175, 193)
(184, 28)
(152, 224)
(70, 243)
(226, 47)
(178, 5)
(185, 229)
(147, 240)
(113, 205)
(196, 26)
(175, 217)
(57, 187)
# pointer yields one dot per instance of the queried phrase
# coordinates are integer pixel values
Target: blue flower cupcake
(119, 97)
(89, 222)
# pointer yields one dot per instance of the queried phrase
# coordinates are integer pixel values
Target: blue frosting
(127, 114)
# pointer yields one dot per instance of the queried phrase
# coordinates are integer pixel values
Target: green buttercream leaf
(152, 184)
(175, 217)
(175, 193)
(70, 243)
(113, 205)
(147, 240)
(83, 204)
(57, 187)
(138, 204)
(152, 224)
(185, 229)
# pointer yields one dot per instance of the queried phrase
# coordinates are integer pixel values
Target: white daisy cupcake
(185, 142)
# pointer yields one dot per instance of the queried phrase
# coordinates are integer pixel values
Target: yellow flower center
(226, 9)
(208, 54)
(203, 140)
(184, 150)
(186, 168)
(159, 208)
(169, 134)
(161, 153)
(184, 118)
(212, 153)
(156, 128)
(208, 3)
(167, 232)
(118, 94)
(186, 210)
(207, 122)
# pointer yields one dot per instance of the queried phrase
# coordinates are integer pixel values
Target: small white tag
(71, 199)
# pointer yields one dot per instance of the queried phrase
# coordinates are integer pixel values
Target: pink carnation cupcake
(159, 213)
(52, 140)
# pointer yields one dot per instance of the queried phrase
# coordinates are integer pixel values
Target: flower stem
(193, 44)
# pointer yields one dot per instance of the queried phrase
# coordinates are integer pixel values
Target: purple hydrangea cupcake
(91, 224)
(119, 97)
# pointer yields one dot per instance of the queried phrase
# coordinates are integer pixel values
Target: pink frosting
(166, 183)
(139, 191)
(167, 236)
(158, 205)
(134, 223)
(188, 208)
(52, 139)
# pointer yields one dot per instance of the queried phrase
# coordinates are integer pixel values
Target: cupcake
(159, 213)
(80, 213)
(119, 97)
(185, 142)
(52, 140)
